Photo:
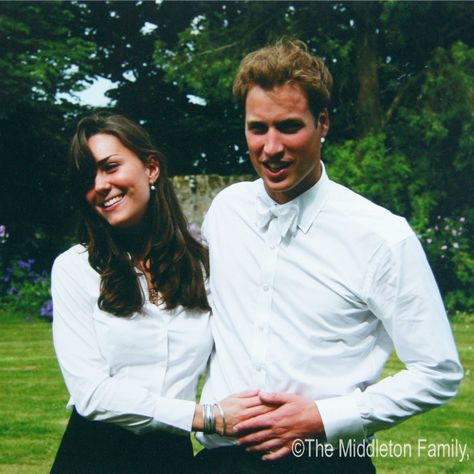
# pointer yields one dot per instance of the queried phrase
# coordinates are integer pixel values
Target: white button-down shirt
(139, 372)
(319, 311)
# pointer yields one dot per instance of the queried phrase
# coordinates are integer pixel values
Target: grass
(447, 424)
(33, 414)
(32, 398)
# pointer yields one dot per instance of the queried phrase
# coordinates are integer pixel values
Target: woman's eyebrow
(104, 160)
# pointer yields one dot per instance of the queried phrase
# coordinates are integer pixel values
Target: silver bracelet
(221, 411)
(209, 419)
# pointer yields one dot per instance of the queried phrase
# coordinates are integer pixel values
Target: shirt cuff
(341, 419)
(177, 414)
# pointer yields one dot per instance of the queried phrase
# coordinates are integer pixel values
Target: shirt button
(266, 287)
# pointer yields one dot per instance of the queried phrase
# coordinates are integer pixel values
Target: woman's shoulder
(76, 254)
(74, 260)
(72, 268)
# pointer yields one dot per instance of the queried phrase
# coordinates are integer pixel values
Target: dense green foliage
(44, 53)
(401, 121)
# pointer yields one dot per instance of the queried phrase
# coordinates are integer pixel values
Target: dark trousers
(235, 460)
(94, 447)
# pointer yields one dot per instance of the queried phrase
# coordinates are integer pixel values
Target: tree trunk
(369, 110)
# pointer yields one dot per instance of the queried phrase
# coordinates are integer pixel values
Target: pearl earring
(152, 187)
(323, 139)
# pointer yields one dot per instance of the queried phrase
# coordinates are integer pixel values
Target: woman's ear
(153, 168)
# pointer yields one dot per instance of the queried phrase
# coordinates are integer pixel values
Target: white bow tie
(286, 214)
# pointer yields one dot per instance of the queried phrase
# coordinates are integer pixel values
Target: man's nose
(273, 144)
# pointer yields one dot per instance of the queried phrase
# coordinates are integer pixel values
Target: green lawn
(33, 414)
(445, 425)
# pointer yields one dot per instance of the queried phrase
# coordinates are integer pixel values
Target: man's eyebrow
(282, 121)
(290, 120)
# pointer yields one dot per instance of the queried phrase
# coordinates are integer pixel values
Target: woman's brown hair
(177, 262)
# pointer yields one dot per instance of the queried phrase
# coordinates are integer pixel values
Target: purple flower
(26, 264)
(8, 275)
(13, 291)
(46, 310)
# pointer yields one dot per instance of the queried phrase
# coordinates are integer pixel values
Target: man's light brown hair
(286, 62)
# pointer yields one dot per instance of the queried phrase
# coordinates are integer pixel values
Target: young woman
(131, 317)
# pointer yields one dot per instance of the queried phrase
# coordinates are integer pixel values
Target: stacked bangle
(209, 419)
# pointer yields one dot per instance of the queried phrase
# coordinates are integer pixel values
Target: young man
(312, 287)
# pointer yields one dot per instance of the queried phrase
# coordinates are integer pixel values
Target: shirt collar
(310, 202)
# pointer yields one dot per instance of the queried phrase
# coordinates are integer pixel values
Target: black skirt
(90, 447)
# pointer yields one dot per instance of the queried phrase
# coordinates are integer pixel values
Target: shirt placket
(263, 315)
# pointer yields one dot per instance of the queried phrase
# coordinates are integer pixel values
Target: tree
(126, 34)
(369, 108)
(402, 113)
(401, 118)
(42, 55)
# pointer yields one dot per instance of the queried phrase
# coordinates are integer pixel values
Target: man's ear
(324, 122)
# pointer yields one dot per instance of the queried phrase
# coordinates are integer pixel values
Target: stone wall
(195, 193)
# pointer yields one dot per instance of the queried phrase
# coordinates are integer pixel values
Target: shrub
(451, 256)
(370, 167)
(25, 290)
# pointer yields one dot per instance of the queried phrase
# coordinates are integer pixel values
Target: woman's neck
(135, 241)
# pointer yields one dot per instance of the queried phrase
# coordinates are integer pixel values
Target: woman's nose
(101, 183)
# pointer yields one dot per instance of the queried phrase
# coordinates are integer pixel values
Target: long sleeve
(95, 393)
(402, 293)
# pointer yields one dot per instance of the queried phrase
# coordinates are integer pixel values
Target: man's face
(284, 140)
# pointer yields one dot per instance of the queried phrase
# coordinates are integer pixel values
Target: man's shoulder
(367, 216)
(237, 194)
(240, 189)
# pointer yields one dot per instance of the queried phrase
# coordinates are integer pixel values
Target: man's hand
(274, 432)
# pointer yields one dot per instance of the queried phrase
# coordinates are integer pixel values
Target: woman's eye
(109, 167)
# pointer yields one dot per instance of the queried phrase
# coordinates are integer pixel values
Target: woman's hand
(237, 408)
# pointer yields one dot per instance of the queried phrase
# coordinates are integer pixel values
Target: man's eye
(257, 128)
(290, 127)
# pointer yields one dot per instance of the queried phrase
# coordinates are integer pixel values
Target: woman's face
(121, 188)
